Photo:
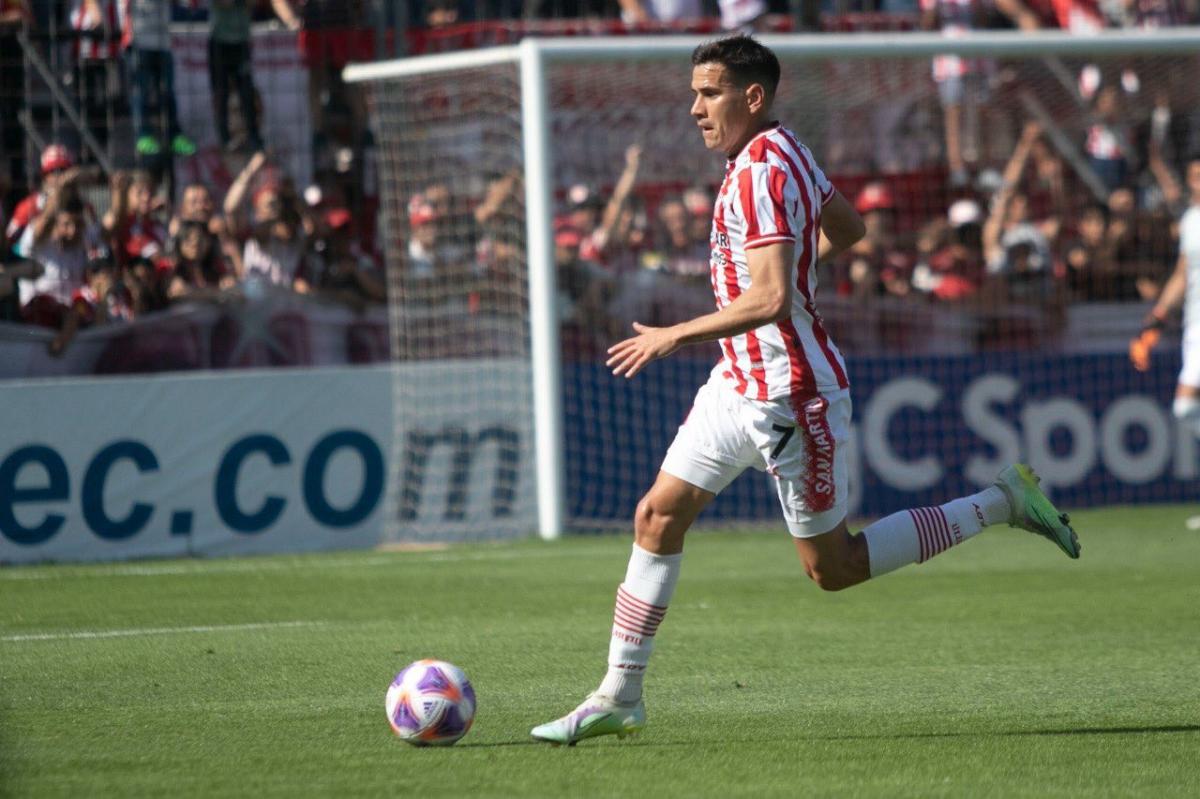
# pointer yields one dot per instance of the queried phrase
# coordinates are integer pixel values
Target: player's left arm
(767, 299)
(1168, 300)
(841, 226)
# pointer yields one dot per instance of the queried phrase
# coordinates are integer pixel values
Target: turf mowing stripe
(209, 628)
(18, 573)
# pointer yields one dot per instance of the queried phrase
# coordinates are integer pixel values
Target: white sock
(915, 536)
(641, 604)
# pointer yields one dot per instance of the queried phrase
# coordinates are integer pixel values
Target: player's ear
(756, 97)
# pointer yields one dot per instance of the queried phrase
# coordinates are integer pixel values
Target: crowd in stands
(72, 267)
(1041, 231)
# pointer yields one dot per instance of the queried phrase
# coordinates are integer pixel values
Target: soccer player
(1183, 287)
(778, 400)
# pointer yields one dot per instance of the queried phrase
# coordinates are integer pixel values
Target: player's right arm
(1170, 299)
(767, 299)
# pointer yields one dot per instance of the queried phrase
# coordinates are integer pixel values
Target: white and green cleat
(598, 715)
(1032, 511)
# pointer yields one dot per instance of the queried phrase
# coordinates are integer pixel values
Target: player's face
(722, 109)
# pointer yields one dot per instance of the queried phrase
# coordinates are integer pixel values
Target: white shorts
(1189, 375)
(805, 451)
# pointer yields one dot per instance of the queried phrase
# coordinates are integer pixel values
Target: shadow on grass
(1166, 729)
(1126, 730)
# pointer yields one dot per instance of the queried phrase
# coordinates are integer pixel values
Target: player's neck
(752, 131)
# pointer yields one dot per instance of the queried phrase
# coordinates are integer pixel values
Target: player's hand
(631, 355)
(1140, 347)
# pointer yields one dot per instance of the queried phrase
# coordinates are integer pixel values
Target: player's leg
(662, 518)
(836, 560)
(1187, 393)
(1187, 396)
(615, 708)
(708, 453)
(1186, 407)
(808, 461)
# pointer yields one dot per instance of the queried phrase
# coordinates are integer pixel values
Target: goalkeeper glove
(1140, 347)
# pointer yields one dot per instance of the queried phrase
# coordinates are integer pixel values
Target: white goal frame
(533, 56)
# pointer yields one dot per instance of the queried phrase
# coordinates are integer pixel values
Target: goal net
(1021, 192)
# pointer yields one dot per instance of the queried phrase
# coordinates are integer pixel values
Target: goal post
(945, 386)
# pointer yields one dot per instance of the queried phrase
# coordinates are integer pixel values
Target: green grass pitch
(1001, 668)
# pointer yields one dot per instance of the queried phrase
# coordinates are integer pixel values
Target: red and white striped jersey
(774, 192)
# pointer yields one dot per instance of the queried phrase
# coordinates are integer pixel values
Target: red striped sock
(915, 536)
(640, 607)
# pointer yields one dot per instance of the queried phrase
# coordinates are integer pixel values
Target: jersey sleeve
(769, 198)
(824, 187)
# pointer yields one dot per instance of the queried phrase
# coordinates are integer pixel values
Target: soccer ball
(430, 703)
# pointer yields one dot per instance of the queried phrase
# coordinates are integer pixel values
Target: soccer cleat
(1032, 511)
(598, 715)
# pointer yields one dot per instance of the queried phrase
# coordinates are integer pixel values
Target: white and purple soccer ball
(430, 703)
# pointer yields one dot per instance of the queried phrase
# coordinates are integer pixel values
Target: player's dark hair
(746, 60)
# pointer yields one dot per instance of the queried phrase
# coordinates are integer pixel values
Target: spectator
(131, 224)
(501, 256)
(1107, 145)
(1144, 245)
(455, 223)
(1092, 271)
(61, 243)
(14, 14)
(146, 39)
(583, 288)
(678, 251)
(604, 244)
(741, 15)
(501, 193)
(963, 83)
(1013, 244)
(875, 265)
(196, 205)
(699, 203)
(499, 252)
(103, 298)
(95, 50)
(593, 220)
(333, 33)
(674, 281)
(441, 13)
(950, 265)
(58, 170)
(637, 12)
(438, 268)
(229, 65)
(348, 275)
(277, 232)
(584, 206)
(147, 281)
(198, 270)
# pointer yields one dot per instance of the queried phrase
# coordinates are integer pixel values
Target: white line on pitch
(209, 628)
